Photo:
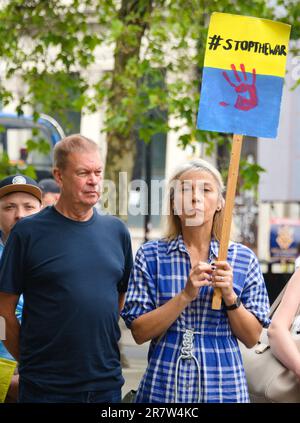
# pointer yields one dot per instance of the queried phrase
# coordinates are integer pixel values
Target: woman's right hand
(200, 275)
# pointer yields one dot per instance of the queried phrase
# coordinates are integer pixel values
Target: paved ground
(136, 355)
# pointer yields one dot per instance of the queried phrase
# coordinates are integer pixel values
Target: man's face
(50, 198)
(80, 180)
(15, 206)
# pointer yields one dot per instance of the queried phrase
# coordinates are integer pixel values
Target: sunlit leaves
(158, 49)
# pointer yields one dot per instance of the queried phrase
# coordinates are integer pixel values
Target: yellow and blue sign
(243, 75)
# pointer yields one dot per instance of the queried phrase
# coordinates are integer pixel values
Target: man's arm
(8, 304)
(121, 300)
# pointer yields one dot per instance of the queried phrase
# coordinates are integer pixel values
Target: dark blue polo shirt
(70, 273)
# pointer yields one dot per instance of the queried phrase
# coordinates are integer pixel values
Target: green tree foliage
(46, 42)
(7, 167)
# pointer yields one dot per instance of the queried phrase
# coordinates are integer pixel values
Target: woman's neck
(197, 241)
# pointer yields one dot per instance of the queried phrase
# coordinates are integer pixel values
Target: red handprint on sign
(242, 87)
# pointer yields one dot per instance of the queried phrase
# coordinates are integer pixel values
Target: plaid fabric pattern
(160, 272)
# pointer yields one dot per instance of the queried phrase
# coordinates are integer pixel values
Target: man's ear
(56, 172)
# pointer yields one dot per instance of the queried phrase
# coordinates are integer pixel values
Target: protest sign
(242, 82)
(243, 75)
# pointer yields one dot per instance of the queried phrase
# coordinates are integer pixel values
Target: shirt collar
(1, 240)
(178, 244)
(215, 246)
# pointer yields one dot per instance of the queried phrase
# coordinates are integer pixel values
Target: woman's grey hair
(173, 224)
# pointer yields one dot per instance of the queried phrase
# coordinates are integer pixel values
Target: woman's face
(196, 198)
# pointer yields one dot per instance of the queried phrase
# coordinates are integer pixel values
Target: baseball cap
(49, 185)
(20, 183)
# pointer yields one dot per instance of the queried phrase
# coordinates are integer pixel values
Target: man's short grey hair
(72, 144)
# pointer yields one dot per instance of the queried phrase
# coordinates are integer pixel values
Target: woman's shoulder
(242, 251)
(154, 247)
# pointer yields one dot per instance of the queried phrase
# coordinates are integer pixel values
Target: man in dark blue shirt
(72, 266)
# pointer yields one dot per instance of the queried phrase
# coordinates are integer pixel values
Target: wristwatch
(235, 305)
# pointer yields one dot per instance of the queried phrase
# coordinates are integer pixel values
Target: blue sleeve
(123, 283)
(254, 295)
(141, 295)
(12, 272)
(19, 309)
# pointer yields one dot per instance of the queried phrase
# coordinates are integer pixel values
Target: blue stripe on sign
(218, 108)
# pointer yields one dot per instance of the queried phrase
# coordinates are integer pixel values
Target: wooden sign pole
(229, 204)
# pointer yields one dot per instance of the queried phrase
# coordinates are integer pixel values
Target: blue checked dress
(198, 358)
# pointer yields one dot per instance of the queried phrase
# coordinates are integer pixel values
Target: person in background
(194, 354)
(283, 327)
(50, 190)
(297, 259)
(20, 196)
(72, 265)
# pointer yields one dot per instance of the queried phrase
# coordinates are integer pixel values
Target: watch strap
(235, 305)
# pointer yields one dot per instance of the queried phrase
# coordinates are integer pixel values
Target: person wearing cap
(50, 190)
(20, 196)
(72, 265)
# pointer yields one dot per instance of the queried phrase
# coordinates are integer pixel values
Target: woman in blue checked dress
(194, 354)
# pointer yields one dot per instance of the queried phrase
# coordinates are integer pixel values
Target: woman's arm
(244, 325)
(154, 323)
(281, 341)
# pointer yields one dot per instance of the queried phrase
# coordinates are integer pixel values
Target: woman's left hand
(222, 277)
